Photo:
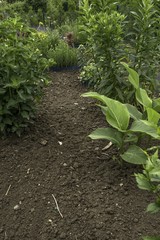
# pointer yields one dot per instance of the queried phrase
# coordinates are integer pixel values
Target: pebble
(16, 207)
(135, 220)
(97, 148)
(43, 142)
(32, 210)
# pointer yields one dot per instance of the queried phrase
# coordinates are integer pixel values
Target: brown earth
(55, 161)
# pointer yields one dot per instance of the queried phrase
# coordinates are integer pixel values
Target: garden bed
(55, 161)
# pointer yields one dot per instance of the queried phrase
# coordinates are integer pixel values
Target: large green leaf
(143, 182)
(12, 103)
(143, 98)
(156, 104)
(145, 127)
(155, 175)
(117, 117)
(97, 96)
(135, 155)
(133, 76)
(153, 116)
(153, 207)
(151, 238)
(117, 114)
(134, 113)
(109, 134)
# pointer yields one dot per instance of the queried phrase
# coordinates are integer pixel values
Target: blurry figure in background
(69, 39)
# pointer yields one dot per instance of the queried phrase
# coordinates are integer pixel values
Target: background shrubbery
(122, 31)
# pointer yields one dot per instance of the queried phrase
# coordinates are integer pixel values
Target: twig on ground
(8, 190)
(107, 147)
(57, 206)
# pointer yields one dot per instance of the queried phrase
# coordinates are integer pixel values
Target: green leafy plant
(104, 31)
(128, 125)
(144, 42)
(47, 42)
(150, 180)
(115, 35)
(22, 75)
(64, 55)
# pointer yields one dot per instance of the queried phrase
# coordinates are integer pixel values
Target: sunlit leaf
(135, 155)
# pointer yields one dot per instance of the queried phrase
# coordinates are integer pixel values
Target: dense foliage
(22, 75)
(116, 35)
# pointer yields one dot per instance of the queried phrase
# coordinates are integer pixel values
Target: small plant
(150, 180)
(128, 125)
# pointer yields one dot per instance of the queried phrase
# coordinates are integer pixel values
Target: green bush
(112, 37)
(104, 39)
(12, 10)
(63, 55)
(47, 42)
(22, 75)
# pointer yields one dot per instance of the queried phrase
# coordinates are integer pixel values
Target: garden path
(55, 161)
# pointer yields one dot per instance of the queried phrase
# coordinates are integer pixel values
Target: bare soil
(53, 161)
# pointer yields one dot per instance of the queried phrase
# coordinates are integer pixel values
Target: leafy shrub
(144, 41)
(22, 75)
(12, 10)
(108, 43)
(47, 42)
(64, 56)
(104, 32)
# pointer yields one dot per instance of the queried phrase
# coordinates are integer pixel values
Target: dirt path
(97, 198)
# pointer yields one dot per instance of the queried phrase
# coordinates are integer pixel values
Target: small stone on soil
(44, 142)
(16, 207)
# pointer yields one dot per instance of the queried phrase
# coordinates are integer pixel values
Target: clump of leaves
(150, 180)
(63, 55)
(22, 75)
(129, 124)
(104, 32)
(144, 41)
